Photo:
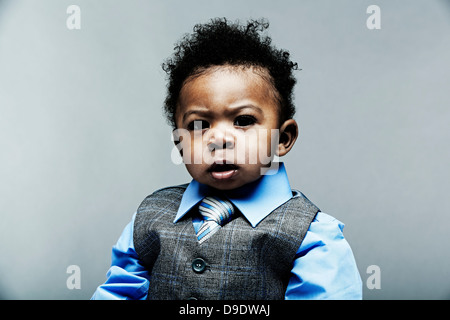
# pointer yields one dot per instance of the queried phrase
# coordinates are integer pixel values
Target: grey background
(83, 139)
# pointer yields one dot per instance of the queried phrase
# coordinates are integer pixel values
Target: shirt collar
(254, 200)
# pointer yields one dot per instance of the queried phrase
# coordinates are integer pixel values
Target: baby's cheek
(191, 152)
(257, 147)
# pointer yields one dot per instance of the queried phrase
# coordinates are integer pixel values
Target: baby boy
(237, 230)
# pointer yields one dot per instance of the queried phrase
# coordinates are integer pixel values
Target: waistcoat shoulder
(159, 207)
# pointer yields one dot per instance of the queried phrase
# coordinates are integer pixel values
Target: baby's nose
(221, 139)
(218, 146)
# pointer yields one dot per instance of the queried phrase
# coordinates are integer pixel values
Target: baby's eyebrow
(247, 106)
(195, 111)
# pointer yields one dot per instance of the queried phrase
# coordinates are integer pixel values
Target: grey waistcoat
(237, 262)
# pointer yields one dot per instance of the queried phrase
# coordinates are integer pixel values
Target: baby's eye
(198, 125)
(244, 121)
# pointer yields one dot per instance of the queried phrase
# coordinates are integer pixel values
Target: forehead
(222, 86)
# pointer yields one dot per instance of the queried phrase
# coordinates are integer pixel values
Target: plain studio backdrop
(83, 138)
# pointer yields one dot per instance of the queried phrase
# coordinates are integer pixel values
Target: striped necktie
(216, 212)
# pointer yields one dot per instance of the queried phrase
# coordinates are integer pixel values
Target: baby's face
(227, 121)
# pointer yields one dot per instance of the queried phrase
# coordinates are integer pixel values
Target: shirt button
(198, 265)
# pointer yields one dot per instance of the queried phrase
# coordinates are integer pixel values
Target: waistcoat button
(199, 265)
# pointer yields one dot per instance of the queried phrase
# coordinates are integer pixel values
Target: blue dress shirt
(324, 267)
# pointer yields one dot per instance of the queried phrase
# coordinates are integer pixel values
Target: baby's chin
(228, 180)
(224, 180)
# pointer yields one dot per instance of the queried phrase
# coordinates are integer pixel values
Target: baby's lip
(222, 166)
(223, 171)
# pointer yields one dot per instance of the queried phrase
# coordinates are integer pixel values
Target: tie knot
(216, 209)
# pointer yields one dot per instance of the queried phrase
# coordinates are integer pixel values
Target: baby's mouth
(222, 171)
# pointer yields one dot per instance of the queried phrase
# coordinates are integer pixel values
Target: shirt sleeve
(127, 278)
(324, 267)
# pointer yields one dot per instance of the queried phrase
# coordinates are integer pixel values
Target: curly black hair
(221, 42)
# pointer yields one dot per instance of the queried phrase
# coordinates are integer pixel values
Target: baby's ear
(288, 136)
